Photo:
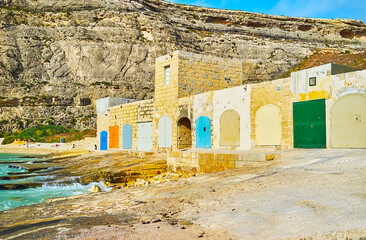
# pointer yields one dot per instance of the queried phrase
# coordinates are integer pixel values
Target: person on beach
(28, 143)
(95, 147)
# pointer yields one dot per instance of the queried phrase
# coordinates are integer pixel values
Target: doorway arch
(230, 128)
(184, 133)
(348, 121)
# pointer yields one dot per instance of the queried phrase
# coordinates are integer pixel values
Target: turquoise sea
(50, 188)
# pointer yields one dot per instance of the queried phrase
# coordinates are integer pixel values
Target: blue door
(104, 140)
(127, 136)
(203, 132)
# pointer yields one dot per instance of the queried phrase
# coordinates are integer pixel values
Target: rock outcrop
(58, 57)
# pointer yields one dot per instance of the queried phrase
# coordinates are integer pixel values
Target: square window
(312, 81)
(167, 75)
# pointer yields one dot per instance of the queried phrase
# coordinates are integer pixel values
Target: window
(167, 75)
(312, 81)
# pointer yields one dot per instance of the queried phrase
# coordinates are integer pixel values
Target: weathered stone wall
(166, 96)
(130, 113)
(277, 93)
(204, 73)
(207, 162)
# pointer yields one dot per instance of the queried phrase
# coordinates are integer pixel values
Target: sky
(330, 9)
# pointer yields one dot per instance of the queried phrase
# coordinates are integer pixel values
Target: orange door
(114, 137)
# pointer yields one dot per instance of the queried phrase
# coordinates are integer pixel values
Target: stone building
(201, 103)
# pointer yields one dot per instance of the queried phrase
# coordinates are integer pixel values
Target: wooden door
(127, 136)
(309, 124)
(348, 122)
(203, 132)
(114, 137)
(268, 126)
(165, 132)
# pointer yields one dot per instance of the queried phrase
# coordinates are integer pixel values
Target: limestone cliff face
(58, 57)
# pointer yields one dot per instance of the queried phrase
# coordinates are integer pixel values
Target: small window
(312, 81)
(167, 75)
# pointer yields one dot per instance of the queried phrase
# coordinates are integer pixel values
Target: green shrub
(39, 134)
(8, 140)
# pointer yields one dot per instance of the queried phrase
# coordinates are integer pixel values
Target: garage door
(114, 137)
(144, 136)
(348, 122)
(127, 136)
(165, 132)
(309, 124)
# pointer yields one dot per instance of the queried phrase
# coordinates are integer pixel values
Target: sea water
(14, 198)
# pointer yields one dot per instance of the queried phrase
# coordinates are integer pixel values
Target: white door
(165, 132)
(144, 136)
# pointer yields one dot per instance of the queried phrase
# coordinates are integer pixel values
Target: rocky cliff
(58, 57)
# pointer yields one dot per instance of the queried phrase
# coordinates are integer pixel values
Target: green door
(309, 124)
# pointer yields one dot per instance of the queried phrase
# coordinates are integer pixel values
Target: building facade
(201, 103)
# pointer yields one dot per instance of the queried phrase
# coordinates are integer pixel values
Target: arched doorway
(268, 126)
(348, 122)
(184, 133)
(165, 132)
(230, 128)
(127, 136)
(104, 141)
(203, 132)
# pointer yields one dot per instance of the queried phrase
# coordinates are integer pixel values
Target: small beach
(48, 184)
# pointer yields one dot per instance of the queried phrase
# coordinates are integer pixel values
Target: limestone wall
(300, 88)
(277, 93)
(166, 96)
(130, 113)
(204, 73)
(210, 161)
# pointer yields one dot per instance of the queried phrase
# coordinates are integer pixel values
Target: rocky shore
(308, 194)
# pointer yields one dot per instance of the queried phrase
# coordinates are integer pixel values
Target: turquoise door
(104, 140)
(309, 124)
(127, 136)
(203, 132)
